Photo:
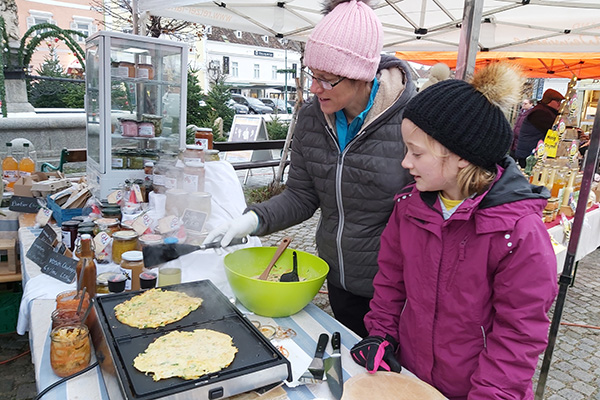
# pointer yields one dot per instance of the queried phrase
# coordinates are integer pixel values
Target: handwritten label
(52, 263)
(24, 204)
(194, 220)
(48, 234)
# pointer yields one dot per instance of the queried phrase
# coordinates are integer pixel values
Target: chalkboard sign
(52, 263)
(48, 234)
(24, 204)
(194, 220)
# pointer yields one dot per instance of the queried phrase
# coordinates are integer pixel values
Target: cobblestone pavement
(574, 372)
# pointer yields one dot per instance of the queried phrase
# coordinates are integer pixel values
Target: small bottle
(568, 189)
(86, 262)
(26, 164)
(10, 168)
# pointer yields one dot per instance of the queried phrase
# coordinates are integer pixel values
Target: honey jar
(123, 241)
(132, 265)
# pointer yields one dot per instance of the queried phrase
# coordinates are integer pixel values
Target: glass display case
(136, 90)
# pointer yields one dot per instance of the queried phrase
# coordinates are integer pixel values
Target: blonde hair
(471, 179)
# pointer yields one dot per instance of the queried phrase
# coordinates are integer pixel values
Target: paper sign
(141, 223)
(551, 143)
(115, 197)
(43, 216)
(194, 220)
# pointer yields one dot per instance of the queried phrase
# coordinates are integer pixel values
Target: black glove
(376, 354)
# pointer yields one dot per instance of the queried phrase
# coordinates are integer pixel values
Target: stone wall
(48, 132)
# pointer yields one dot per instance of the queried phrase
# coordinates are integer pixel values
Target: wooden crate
(10, 270)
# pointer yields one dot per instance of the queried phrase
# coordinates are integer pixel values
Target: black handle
(321, 345)
(336, 340)
(295, 261)
(234, 242)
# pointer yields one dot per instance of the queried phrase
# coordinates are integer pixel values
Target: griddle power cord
(55, 384)
(580, 325)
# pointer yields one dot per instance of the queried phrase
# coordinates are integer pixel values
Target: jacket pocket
(459, 260)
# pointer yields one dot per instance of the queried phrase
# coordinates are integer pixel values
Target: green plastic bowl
(274, 299)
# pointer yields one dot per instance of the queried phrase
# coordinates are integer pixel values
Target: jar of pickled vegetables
(70, 301)
(123, 241)
(108, 225)
(70, 350)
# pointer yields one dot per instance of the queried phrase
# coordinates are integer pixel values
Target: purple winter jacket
(467, 298)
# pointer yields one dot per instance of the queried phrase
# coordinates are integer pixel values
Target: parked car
(255, 106)
(237, 107)
(277, 105)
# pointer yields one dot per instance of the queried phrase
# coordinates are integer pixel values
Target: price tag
(115, 197)
(101, 240)
(43, 216)
(141, 224)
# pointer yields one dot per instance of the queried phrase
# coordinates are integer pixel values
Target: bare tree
(120, 13)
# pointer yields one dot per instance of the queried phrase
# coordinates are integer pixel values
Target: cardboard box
(23, 185)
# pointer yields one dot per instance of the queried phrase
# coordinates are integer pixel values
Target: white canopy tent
(412, 25)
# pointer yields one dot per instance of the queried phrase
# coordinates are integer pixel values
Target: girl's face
(339, 97)
(433, 166)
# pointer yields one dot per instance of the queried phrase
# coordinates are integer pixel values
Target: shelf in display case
(118, 79)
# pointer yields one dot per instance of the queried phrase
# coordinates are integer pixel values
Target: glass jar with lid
(108, 225)
(193, 152)
(132, 264)
(194, 176)
(70, 349)
(123, 241)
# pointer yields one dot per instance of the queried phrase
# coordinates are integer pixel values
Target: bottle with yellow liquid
(26, 164)
(560, 182)
(10, 168)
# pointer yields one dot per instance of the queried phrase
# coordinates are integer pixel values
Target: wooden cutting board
(388, 386)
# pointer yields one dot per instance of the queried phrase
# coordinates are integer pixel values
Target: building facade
(66, 14)
(253, 64)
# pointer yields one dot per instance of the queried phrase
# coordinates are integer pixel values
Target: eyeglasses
(326, 85)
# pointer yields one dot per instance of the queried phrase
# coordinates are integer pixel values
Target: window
(256, 71)
(208, 30)
(234, 69)
(84, 25)
(39, 17)
(274, 73)
(265, 39)
(238, 34)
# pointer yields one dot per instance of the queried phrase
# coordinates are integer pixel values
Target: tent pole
(469, 38)
(566, 277)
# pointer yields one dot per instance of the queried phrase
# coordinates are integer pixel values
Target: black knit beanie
(462, 119)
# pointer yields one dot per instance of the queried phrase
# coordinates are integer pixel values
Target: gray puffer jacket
(354, 188)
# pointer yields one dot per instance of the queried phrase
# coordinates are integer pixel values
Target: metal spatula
(161, 253)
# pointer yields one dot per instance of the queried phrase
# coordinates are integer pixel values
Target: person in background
(344, 156)
(536, 124)
(467, 272)
(437, 73)
(526, 105)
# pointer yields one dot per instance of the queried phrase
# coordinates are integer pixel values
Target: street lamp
(285, 42)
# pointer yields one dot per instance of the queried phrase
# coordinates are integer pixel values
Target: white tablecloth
(589, 240)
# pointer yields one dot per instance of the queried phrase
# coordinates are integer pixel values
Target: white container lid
(133, 255)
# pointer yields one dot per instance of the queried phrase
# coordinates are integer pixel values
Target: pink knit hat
(346, 42)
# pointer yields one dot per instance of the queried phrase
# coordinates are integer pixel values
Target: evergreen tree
(217, 98)
(54, 94)
(196, 113)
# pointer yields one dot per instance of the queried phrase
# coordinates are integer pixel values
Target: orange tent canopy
(534, 64)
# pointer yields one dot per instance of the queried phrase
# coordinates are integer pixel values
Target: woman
(344, 157)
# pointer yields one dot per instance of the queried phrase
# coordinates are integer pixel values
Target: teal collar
(347, 132)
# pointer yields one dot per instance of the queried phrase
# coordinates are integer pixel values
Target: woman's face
(431, 164)
(341, 96)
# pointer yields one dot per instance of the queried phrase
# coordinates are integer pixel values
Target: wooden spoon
(285, 242)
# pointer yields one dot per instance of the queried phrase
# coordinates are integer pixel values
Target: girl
(467, 272)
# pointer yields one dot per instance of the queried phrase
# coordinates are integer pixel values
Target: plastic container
(117, 283)
(70, 349)
(148, 280)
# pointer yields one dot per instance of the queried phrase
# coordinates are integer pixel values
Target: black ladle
(293, 275)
